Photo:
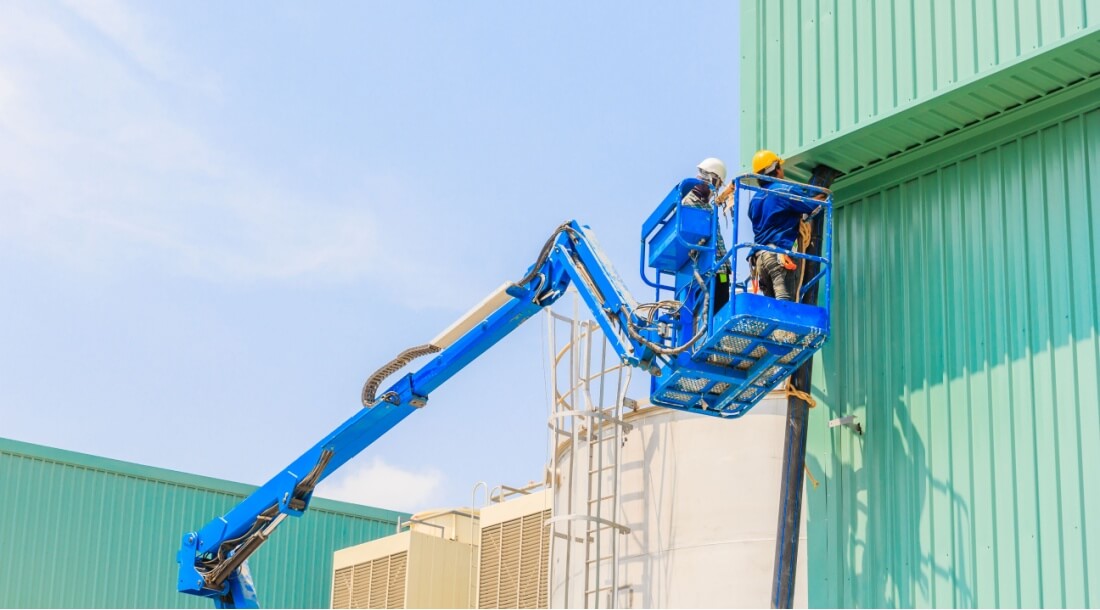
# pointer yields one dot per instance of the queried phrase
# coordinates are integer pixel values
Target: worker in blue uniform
(699, 192)
(775, 222)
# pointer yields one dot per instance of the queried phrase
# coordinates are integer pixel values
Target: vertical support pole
(555, 491)
(790, 491)
(794, 439)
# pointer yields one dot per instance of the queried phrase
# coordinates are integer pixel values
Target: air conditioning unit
(430, 564)
(515, 553)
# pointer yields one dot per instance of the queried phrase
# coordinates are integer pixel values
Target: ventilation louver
(379, 583)
(515, 556)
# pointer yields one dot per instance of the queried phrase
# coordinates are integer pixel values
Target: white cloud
(103, 166)
(377, 483)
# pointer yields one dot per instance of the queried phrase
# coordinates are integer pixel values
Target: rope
(811, 475)
(790, 390)
(724, 195)
(805, 232)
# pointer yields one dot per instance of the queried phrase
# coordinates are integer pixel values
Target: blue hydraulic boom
(713, 360)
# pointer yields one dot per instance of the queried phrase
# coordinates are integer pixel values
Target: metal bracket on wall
(848, 421)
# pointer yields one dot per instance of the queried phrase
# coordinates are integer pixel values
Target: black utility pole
(794, 443)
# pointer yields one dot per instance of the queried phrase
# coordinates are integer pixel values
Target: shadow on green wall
(871, 557)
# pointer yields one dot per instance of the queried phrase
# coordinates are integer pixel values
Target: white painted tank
(700, 496)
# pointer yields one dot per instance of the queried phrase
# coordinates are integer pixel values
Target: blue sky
(216, 219)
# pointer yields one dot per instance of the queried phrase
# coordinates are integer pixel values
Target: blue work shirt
(775, 217)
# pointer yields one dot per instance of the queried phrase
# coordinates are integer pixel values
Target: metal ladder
(602, 488)
(587, 420)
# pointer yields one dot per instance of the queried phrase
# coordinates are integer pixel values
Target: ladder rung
(566, 537)
(607, 558)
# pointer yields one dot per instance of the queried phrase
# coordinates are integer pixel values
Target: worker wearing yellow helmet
(767, 163)
(699, 192)
(775, 219)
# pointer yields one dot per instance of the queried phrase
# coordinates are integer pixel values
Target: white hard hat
(714, 166)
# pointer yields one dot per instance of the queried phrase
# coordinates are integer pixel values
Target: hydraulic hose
(660, 349)
(370, 388)
(545, 253)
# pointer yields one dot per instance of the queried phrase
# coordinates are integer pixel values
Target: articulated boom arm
(714, 348)
(212, 560)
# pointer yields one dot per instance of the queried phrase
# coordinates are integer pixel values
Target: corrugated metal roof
(961, 143)
(966, 341)
(988, 100)
(84, 531)
(851, 83)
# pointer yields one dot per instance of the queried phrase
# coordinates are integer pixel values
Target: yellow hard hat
(763, 160)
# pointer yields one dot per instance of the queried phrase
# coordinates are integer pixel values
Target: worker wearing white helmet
(713, 171)
(699, 192)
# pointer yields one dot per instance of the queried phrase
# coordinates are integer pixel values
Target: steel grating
(748, 394)
(810, 337)
(739, 363)
(674, 396)
(750, 326)
(733, 345)
(719, 360)
(783, 336)
(769, 376)
(791, 355)
(693, 385)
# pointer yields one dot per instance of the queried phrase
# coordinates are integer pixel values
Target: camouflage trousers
(775, 280)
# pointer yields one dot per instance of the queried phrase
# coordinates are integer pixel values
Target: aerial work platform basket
(746, 346)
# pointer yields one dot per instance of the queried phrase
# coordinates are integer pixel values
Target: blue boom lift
(712, 361)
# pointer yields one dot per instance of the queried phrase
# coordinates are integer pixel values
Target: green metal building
(966, 309)
(79, 531)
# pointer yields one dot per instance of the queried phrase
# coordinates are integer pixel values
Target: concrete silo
(653, 507)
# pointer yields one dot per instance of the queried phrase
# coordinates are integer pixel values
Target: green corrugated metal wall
(965, 340)
(815, 69)
(88, 532)
(966, 312)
